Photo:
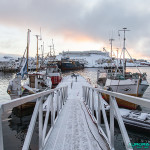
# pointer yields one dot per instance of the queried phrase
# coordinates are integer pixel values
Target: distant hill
(10, 55)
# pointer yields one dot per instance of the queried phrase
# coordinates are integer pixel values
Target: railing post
(89, 102)
(86, 95)
(41, 124)
(52, 110)
(93, 102)
(1, 131)
(31, 126)
(47, 116)
(83, 92)
(111, 123)
(104, 117)
(98, 111)
(121, 124)
(57, 98)
(60, 99)
(63, 95)
(66, 92)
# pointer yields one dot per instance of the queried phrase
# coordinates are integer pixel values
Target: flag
(23, 69)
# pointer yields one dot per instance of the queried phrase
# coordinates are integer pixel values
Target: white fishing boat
(120, 81)
(35, 81)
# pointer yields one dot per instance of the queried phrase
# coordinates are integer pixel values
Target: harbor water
(16, 123)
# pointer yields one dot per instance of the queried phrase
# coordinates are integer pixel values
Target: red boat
(54, 72)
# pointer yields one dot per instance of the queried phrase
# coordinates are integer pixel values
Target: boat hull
(133, 87)
(121, 103)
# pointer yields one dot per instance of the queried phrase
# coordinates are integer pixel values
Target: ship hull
(133, 87)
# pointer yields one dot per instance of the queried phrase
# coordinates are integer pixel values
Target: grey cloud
(67, 15)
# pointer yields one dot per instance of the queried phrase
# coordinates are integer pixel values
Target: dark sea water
(15, 123)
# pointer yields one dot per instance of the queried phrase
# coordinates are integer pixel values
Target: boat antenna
(117, 57)
(53, 48)
(124, 47)
(111, 46)
(50, 52)
(42, 50)
(28, 42)
(40, 34)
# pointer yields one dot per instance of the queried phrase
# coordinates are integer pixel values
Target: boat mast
(37, 60)
(28, 42)
(111, 46)
(124, 49)
(50, 51)
(117, 58)
(42, 48)
(53, 48)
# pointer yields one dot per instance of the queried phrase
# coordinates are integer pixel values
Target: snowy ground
(74, 129)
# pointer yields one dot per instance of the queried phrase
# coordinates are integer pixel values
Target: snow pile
(124, 112)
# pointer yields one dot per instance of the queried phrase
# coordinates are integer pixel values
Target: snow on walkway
(74, 129)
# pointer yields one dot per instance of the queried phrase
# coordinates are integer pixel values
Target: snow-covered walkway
(74, 129)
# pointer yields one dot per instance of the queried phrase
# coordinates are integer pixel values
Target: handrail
(114, 112)
(19, 101)
(137, 100)
(56, 96)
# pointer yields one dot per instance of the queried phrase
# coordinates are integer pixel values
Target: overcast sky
(75, 25)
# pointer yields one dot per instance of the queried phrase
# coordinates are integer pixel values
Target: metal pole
(28, 41)
(1, 131)
(111, 123)
(111, 46)
(57, 102)
(98, 111)
(52, 110)
(124, 48)
(93, 102)
(37, 60)
(41, 124)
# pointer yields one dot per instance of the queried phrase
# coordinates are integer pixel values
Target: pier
(74, 110)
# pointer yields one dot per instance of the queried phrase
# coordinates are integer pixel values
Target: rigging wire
(133, 61)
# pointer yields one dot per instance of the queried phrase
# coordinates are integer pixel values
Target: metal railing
(56, 97)
(88, 95)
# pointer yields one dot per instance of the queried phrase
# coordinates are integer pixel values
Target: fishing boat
(67, 64)
(54, 72)
(35, 81)
(118, 80)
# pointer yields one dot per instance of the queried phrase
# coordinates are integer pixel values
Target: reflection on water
(15, 129)
(16, 124)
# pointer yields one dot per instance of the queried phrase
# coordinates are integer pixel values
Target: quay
(74, 110)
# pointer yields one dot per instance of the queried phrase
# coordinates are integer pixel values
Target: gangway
(74, 109)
